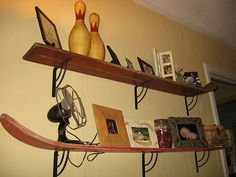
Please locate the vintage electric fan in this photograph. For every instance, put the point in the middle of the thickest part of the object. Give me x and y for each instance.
(69, 105)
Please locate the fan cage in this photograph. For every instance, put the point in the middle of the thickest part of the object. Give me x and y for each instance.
(76, 106)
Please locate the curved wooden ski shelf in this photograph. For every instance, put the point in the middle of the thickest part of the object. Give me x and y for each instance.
(29, 137)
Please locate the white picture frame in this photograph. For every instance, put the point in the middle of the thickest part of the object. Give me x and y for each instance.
(141, 133)
(167, 65)
(157, 66)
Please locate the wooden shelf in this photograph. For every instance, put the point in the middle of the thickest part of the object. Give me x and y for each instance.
(43, 54)
(31, 138)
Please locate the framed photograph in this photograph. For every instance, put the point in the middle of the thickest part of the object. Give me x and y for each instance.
(187, 132)
(110, 126)
(141, 133)
(115, 59)
(157, 66)
(145, 67)
(216, 135)
(129, 64)
(48, 29)
(192, 79)
(167, 65)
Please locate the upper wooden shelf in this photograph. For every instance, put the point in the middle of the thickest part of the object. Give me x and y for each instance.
(43, 54)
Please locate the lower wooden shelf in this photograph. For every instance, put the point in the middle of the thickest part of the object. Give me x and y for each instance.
(29, 137)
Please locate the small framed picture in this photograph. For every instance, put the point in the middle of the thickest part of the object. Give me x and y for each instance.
(157, 66)
(216, 135)
(129, 64)
(167, 65)
(48, 29)
(145, 67)
(110, 126)
(141, 133)
(187, 132)
(115, 59)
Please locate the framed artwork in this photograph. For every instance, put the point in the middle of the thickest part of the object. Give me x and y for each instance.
(192, 79)
(110, 126)
(167, 65)
(187, 132)
(114, 57)
(157, 66)
(216, 135)
(141, 133)
(48, 29)
(145, 67)
(129, 64)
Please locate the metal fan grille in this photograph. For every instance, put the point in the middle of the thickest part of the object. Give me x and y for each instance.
(72, 104)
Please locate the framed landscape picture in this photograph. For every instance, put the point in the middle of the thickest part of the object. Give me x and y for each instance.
(141, 133)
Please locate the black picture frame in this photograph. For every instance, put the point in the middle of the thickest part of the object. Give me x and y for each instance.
(145, 67)
(195, 136)
(129, 63)
(48, 29)
(114, 57)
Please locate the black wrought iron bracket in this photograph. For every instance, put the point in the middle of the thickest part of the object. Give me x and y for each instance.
(62, 164)
(139, 97)
(190, 104)
(59, 167)
(202, 160)
(58, 75)
(146, 167)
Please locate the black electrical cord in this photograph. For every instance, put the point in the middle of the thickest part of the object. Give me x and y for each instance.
(74, 136)
(85, 143)
(92, 142)
(81, 163)
(89, 156)
(94, 154)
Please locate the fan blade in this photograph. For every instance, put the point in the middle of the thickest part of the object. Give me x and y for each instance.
(67, 102)
(70, 103)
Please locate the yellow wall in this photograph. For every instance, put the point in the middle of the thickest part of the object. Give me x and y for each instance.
(131, 30)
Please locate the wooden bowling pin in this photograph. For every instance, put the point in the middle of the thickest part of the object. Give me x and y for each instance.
(79, 38)
(97, 49)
